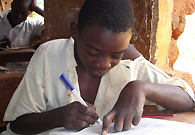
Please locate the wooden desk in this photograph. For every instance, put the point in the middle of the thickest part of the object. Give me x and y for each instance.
(15, 56)
(187, 117)
(8, 85)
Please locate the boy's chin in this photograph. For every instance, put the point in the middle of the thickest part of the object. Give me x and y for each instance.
(97, 74)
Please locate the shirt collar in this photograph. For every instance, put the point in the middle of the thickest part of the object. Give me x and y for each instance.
(115, 76)
(71, 63)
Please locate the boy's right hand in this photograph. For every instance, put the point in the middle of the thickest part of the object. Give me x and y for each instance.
(77, 116)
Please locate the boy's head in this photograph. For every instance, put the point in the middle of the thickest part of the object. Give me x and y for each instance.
(114, 15)
(20, 9)
(102, 34)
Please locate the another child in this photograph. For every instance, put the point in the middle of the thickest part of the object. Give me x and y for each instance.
(15, 25)
(91, 59)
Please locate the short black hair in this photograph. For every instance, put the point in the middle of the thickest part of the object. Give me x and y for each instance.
(114, 15)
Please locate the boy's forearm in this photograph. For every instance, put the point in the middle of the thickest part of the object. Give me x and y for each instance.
(169, 96)
(38, 10)
(36, 122)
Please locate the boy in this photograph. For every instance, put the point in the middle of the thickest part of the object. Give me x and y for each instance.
(91, 59)
(16, 27)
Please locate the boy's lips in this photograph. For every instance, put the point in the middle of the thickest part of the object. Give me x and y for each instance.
(99, 72)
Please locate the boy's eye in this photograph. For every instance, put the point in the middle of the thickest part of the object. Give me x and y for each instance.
(92, 53)
(119, 56)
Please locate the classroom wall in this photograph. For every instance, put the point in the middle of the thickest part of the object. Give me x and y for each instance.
(58, 15)
(5, 4)
(146, 19)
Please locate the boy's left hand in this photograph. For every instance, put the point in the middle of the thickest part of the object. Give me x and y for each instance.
(128, 108)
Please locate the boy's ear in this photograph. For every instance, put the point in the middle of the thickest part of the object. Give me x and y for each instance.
(74, 30)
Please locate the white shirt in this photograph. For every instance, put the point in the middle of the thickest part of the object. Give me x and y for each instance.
(41, 90)
(21, 34)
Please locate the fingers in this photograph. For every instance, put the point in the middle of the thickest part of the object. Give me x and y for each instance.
(92, 107)
(127, 123)
(86, 119)
(78, 116)
(123, 121)
(89, 111)
(76, 125)
(106, 122)
(136, 120)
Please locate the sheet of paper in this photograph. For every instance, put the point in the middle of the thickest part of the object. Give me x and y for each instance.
(147, 126)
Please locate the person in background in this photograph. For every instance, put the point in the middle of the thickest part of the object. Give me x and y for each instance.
(91, 59)
(16, 28)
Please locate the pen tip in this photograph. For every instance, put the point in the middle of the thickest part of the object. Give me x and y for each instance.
(99, 122)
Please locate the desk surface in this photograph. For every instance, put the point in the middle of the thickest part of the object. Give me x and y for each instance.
(187, 117)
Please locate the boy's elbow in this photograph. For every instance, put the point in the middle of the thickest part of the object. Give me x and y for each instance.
(187, 105)
(190, 104)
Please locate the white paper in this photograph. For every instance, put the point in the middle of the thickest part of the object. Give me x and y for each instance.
(147, 126)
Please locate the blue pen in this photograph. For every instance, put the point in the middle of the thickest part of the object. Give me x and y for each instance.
(68, 84)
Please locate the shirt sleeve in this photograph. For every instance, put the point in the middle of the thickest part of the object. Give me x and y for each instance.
(37, 27)
(151, 73)
(148, 72)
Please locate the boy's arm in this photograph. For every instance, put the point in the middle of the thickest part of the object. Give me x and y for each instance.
(36, 9)
(131, 53)
(74, 116)
(129, 106)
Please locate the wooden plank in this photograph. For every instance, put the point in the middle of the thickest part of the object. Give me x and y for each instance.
(3, 4)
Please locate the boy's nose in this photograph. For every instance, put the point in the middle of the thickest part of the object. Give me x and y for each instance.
(19, 16)
(104, 63)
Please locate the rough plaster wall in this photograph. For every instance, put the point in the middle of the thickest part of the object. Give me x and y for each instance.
(181, 9)
(164, 31)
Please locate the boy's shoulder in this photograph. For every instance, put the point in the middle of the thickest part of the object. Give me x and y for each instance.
(4, 12)
(34, 21)
(56, 45)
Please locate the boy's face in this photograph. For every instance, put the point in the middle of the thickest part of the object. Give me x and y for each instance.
(99, 49)
(19, 11)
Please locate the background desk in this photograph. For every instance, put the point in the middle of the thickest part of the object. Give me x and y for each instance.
(8, 84)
